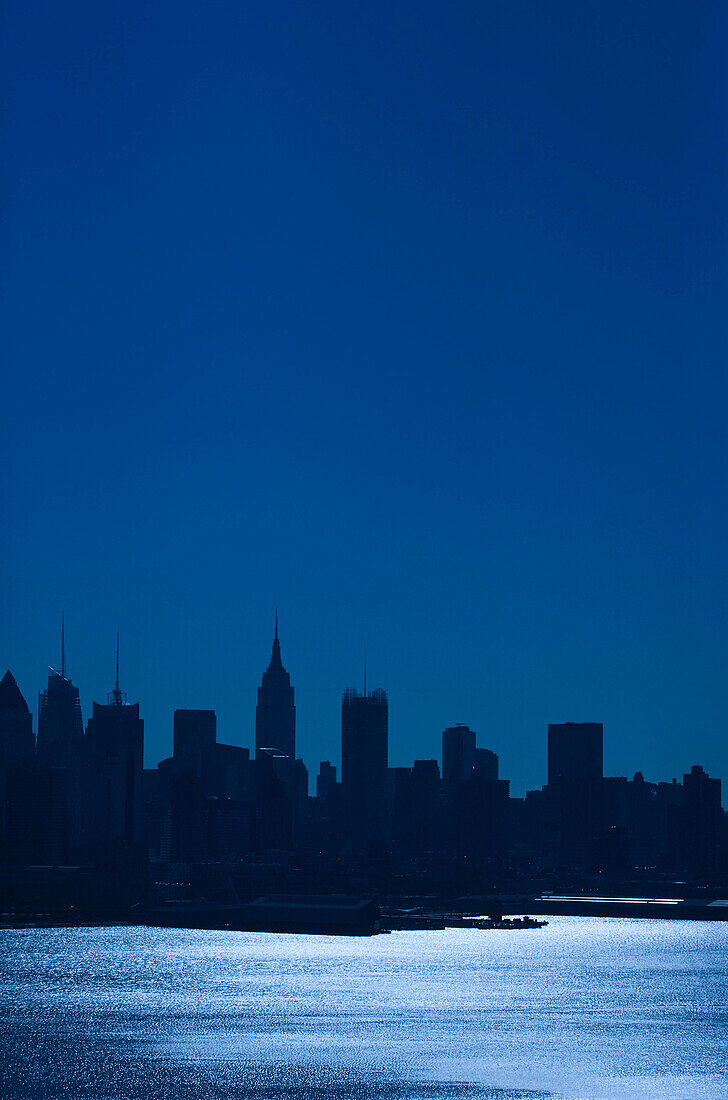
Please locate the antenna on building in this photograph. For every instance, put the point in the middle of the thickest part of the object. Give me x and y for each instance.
(117, 697)
(365, 669)
(63, 644)
(276, 633)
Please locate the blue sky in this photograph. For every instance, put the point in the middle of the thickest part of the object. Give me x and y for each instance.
(409, 318)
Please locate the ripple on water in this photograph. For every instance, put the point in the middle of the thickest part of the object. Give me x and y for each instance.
(587, 1008)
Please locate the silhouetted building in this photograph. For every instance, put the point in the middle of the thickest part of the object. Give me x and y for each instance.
(364, 753)
(60, 726)
(186, 784)
(154, 808)
(16, 744)
(668, 823)
(649, 814)
(325, 810)
(301, 815)
(16, 723)
(485, 765)
(427, 805)
(574, 797)
(195, 737)
(60, 745)
(491, 806)
(275, 714)
(188, 830)
(474, 802)
(575, 751)
(205, 794)
(281, 780)
(234, 776)
(36, 814)
(399, 807)
(115, 759)
(233, 801)
(416, 808)
(325, 780)
(275, 798)
(476, 811)
(701, 823)
(615, 850)
(458, 752)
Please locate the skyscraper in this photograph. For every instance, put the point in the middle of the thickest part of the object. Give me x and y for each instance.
(16, 723)
(275, 714)
(115, 756)
(364, 758)
(458, 752)
(701, 822)
(60, 726)
(60, 747)
(575, 751)
(475, 801)
(574, 795)
(187, 784)
(325, 780)
(16, 746)
(195, 742)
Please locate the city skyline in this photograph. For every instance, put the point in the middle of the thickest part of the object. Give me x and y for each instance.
(84, 797)
(253, 740)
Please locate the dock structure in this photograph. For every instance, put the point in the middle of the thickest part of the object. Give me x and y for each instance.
(664, 908)
(313, 914)
(320, 914)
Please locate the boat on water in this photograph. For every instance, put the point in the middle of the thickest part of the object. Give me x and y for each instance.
(404, 921)
(505, 922)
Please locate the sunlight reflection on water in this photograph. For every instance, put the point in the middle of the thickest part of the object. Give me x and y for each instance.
(585, 1008)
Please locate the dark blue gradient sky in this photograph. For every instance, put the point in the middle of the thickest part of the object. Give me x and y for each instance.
(408, 317)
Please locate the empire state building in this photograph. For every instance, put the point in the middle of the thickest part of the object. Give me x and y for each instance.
(275, 714)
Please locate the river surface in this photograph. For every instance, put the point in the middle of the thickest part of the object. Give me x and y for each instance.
(585, 1008)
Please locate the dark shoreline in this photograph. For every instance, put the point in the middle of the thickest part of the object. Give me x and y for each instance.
(213, 918)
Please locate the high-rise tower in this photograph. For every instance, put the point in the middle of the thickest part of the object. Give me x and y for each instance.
(60, 748)
(275, 714)
(115, 753)
(16, 723)
(364, 757)
(575, 791)
(60, 726)
(458, 752)
(16, 751)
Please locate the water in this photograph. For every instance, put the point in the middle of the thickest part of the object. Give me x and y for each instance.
(585, 1008)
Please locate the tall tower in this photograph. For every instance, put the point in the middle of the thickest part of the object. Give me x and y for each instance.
(60, 726)
(575, 791)
(458, 752)
(16, 723)
(364, 759)
(275, 714)
(16, 749)
(701, 823)
(60, 748)
(115, 754)
(575, 752)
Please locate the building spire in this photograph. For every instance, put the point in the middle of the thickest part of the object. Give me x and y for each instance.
(117, 697)
(275, 657)
(365, 669)
(63, 644)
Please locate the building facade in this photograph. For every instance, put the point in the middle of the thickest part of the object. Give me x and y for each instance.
(364, 759)
(275, 714)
